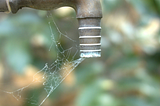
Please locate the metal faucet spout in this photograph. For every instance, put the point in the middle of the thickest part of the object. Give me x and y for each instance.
(89, 14)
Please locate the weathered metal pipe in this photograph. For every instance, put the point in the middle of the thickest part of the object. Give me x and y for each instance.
(89, 14)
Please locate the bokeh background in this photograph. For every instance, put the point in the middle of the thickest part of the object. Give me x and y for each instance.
(127, 74)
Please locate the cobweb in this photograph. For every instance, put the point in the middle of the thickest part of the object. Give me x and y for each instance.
(52, 74)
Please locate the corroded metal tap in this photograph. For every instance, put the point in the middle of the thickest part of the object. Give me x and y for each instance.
(89, 14)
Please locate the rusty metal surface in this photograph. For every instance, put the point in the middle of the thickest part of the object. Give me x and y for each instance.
(90, 32)
(40, 4)
(88, 8)
(89, 21)
(84, 8)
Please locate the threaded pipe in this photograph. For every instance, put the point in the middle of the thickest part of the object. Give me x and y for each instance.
(89, 37)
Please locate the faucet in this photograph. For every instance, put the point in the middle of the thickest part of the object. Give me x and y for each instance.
(89, 14)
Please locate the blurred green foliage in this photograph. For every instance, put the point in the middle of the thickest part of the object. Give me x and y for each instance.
(127, 74)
